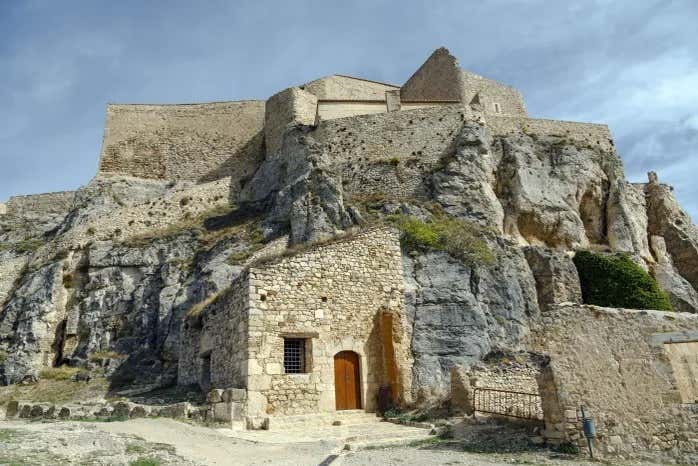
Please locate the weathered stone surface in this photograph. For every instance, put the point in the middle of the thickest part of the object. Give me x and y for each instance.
(304, 193)
(668, 220)
(459, 314)
(683, 296)
(465, 187)
(556, 276)
(461, 396)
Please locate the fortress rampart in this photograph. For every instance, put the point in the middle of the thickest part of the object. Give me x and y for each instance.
(201, 142)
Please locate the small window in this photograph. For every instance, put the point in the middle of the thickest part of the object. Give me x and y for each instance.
(497, 108)
(294, 356)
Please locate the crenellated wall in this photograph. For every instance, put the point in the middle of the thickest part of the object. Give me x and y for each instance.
(199, 142)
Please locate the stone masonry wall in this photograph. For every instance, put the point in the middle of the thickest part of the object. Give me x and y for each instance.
(389, 154)
(290, 106)
(334, 296)
(339, 87)
(614, 362)
(217, 338)
(592, 134)
(193, 142)
(438, 78)
(510, 101)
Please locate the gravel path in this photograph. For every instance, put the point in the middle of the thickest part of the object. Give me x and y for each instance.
(170, 442)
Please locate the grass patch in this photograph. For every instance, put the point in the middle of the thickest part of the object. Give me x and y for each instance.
(461, 239)
(9, 435)
(146, 462)
(58, 373)
(99, 355)
(198, 308)
(56, 391)
(23, 247)
(616, 281)
(133, 448)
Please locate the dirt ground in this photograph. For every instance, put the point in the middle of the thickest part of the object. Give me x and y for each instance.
(152, 442)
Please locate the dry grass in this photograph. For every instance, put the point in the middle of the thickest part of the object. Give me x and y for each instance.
(99, 355)
(58, 373)
(56, 391)
(197, 308)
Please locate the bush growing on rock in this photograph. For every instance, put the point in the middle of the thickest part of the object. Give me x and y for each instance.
(461, 239)
(617, 281)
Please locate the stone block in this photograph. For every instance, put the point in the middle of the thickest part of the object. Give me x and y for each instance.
(121, 409)
(12, 409)
(138, 411)
(36, 412)
(64, 413)
(223, 412)
(234, 394)
(215, 396)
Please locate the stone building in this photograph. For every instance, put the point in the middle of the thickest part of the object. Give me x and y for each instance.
(317, 331)
(327, 311)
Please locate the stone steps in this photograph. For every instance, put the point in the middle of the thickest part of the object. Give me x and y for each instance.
(338, 418)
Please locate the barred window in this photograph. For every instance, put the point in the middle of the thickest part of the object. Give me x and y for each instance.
(294, 355)
(497, 108)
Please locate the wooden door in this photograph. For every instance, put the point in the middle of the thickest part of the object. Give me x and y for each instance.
(347, 386)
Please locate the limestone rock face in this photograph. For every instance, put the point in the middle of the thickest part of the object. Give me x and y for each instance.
(28, 322)
(668, 220)
(461, 313)
(556, 276)
(683, 296)
(302, 190)
(465, 187)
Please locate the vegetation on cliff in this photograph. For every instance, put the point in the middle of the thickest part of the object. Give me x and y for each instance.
(461, 239)
(616, 281)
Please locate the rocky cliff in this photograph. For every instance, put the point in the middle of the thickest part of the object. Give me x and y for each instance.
(105, 285)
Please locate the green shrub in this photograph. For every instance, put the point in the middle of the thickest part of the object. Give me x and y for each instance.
(462, 239)
(28, 245)
(617, 281)
(146, 462)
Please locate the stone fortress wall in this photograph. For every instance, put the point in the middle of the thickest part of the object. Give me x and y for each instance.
(199, 142)
(388, 154)
(440, 78)
(622, 366)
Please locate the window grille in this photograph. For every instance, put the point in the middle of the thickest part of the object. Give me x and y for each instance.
(294, 355)
(497, 108)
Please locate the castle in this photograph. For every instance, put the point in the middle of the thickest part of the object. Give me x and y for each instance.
(330, 310)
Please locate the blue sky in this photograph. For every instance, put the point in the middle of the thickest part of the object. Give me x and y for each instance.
(630, 64)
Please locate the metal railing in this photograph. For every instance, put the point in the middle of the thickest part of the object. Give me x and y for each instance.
(510, 403)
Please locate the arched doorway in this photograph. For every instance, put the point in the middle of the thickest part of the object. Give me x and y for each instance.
(347, 381)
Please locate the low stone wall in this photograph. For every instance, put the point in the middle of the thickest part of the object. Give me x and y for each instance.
(213, 352)
(615, 363)
(103, 411)
(348, 88)
(591, 134)
(192, 142)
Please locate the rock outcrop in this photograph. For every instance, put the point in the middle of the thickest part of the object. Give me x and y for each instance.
(108, 283)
